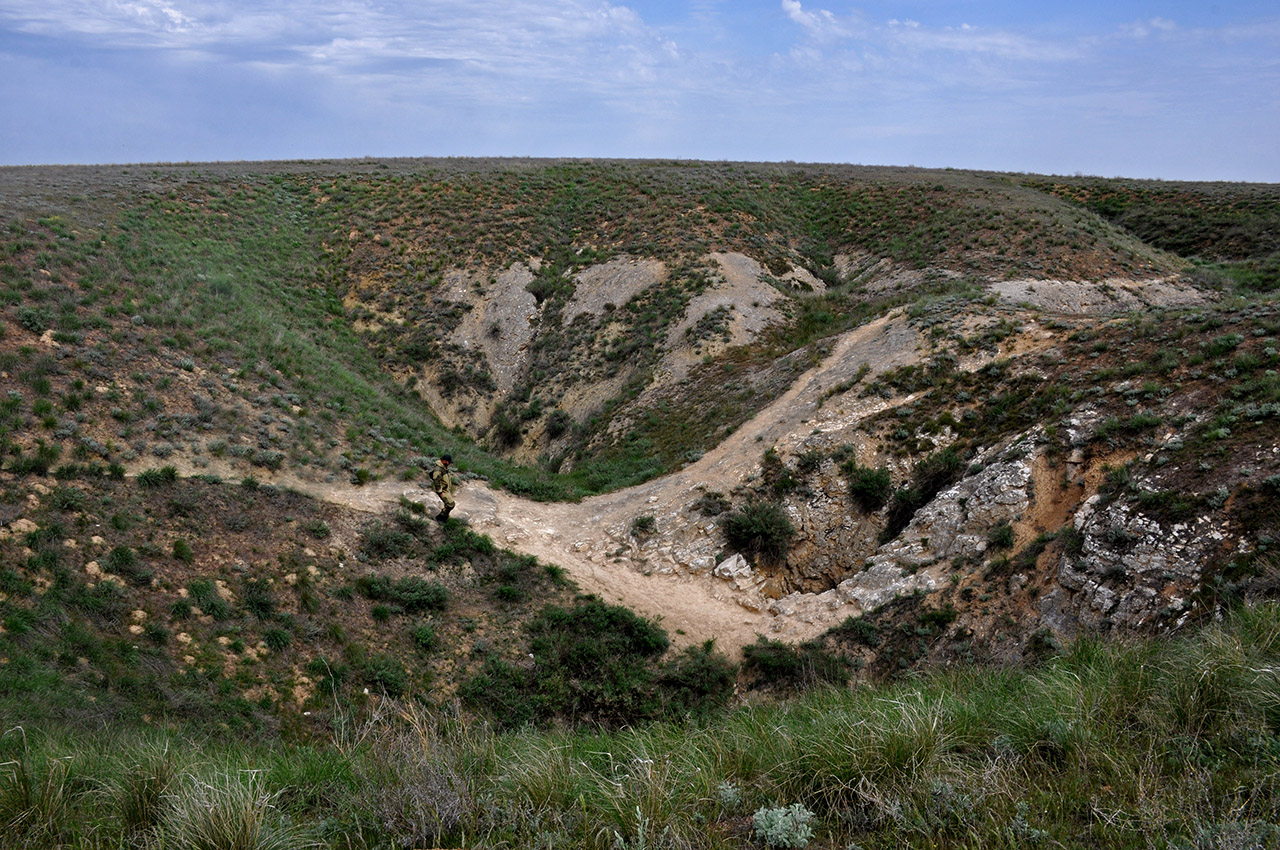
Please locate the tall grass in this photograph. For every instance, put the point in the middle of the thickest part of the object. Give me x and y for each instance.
(1138, 744)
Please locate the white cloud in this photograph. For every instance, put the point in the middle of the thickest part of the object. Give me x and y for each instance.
(911, 35)
(799, 79)
(1144, 29)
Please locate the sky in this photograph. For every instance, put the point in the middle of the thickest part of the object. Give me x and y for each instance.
(1135, 88)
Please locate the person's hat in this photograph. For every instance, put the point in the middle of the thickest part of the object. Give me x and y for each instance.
(447, 458)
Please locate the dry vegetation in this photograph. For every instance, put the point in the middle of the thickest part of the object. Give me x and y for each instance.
(249, 322)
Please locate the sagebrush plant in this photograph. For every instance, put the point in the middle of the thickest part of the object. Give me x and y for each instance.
(786, 826)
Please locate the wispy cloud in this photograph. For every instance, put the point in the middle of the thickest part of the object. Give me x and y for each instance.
(821, 24)
(783, 79)
(907, 34)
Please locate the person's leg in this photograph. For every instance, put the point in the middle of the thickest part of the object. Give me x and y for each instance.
(449, 505)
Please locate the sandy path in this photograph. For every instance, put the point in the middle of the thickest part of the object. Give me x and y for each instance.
(668, 576)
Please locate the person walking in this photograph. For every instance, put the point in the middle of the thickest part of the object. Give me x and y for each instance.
(442, 483)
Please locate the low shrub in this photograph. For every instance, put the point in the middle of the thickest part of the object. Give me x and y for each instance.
(123, 561)
(869, 487)
(593, 662)
(697, 682)
(424, 637)
(759, 529)
(772, 663)
(157, 477)
(643, 525)
(783, 827)
(412, 594)
(1000, 536)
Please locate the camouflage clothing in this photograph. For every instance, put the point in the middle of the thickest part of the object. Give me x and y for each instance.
(442, 483)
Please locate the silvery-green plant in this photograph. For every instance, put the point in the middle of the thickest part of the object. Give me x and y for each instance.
(784, 827)
(730, 795)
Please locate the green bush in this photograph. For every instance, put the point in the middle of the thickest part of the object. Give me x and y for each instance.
(385, 674)
(412, 594)
(593, 662)
(425, 638)
(36, 464)
(255, 595)
(860, 630)
(1000, 536)
(157, 477)
(67, 498)
(930, 476)
(759, 529)
(380, 543)
(643, 525)
(204, 593)
(123, 561)
(869, 487)
(774, 663)
(697, 682)
(182, 551)
(277, 638)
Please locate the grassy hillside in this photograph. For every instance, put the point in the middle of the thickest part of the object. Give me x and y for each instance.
(1170, 744)
(236, 282)
(179, 343)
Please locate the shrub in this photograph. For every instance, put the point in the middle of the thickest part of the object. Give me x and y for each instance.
(204, 593)
(156, 477)
(277, 638)
(592, 663)
(1000, 536)
(386, 674)
(317, 528)
(773, 662)
(381, 543)
(931, 475)
(859, 630)
(759, 529)
(123, 561)
(511, 593)
(425, 637)
(870, 488)
(558, 423)
(938, 618)
(712, 504)
(67, 498)
(182, 551)
(643, 525)
(783, 827)
(696, 682)
(414, 595)
(256, 596)
(37, 464)
(34, 319)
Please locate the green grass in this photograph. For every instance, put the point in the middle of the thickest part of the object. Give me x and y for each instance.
(241, 280)
(1114, 745)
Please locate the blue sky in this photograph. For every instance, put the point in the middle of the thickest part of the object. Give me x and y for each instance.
(1175, 90)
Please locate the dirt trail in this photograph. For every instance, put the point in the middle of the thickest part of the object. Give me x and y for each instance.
(669, 575)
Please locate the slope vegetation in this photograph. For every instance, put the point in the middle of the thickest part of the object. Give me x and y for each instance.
(889, 416)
